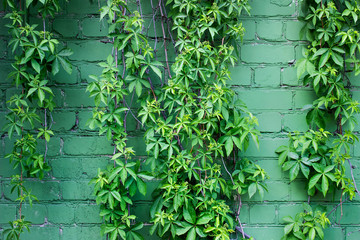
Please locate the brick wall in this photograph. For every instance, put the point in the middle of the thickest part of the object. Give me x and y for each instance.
(265, 79)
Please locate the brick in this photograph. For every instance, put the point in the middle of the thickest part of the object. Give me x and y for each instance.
(334, 233)
(268, 233)
(250, 29)
(151, 186)
(299, 51)
(293, 29)
(42, 233)
(272, 168)
(77, 168)
(356, 95)
(54, 146)
(272, 8)
(303, 98)
(277, 191)
(298, 190)
(99, 51)
(262, 214)
(7, 169)
(3, 29)
(45, 191)
(141, 211)
(240, 75)
(79, 7)
(270, 30)
(264, 53)
(5, 69)
(66, 27)
(4, 49)
(267, 147)
(269, 121)
(138, 145)
(84, 116)
(350, 213)
(87, 213)
(81, 233)
(289, 210)
(266, 99)
(93, 27)
(149, 26)
(89, 69)
(61, 213)
(354, 80)
(295, 122)
(77, 98)
(77, 190)
(267, 77)
(63, 121)
(87, 146)
(63, 77)
(35, 214)
(352, 233)
(289, 77)
(8, 213)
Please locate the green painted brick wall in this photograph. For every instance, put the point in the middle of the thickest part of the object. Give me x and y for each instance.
(264, 78)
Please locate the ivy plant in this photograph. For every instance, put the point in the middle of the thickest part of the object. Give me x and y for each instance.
(308, 224)
(123, 74)
(37, 56)
(329, 60)
(197, 128)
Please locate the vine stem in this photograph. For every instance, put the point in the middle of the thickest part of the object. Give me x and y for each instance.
(240, 227)
(352, 177)
(164, 37)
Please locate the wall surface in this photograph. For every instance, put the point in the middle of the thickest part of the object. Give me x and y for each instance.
(265, 78)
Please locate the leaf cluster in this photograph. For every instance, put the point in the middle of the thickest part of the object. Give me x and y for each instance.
(308, 224)
(36, 54)
(319, 159)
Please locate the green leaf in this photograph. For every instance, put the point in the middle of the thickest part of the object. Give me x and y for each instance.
(294, 171)
(157, 71)
(314, 180)
(141, 186)
(288, 228)
(323, 59)
(204, 219)
(28, 2)
(187, 215)
(324, 185)
(35, 65)
(191, 235)
(252, 189)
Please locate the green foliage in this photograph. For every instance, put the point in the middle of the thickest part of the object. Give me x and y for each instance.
(196, 128)
(115, 186)
(320, 160)
(36, 56)
(308, 224)
(332, 53)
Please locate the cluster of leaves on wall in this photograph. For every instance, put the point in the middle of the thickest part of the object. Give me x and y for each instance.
(124, 73)
(36, 57)
(196, 128)
(319, 155)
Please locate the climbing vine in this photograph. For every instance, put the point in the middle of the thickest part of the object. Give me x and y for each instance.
(123, 74)
(37, 57)
(197, 128)
(319, 155)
